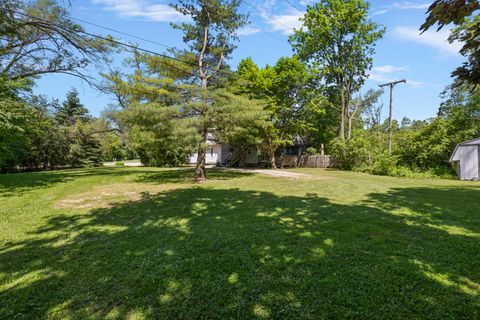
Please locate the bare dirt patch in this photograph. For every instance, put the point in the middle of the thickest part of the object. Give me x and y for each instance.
(108, 195)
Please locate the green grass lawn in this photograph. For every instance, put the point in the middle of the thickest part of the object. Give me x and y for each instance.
(145, 243)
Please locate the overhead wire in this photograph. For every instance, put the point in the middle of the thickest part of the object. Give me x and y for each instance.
(130, 46)
(264, 13)
(293, 6)
(141, 49)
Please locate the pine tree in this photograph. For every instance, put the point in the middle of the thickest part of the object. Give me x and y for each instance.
(71, 110)
(210, 39)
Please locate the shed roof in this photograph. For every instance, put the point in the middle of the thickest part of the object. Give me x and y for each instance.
(472, 142)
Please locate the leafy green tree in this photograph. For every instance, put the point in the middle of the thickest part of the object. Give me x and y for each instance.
(13, 141)
(285, 89)
(84, 147)
(113, 148)
(36, 38)
(338, 40)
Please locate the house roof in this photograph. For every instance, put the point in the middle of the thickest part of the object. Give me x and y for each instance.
(472, 142)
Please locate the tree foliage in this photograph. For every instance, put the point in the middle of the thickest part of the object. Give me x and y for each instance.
(33, 135)
(419, 146)
(338, 40)
(292, 99)
(39, 38)
(166, 113)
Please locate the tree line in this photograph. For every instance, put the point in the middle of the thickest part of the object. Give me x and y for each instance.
(167, 105)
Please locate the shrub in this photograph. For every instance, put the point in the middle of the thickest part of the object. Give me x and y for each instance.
(385, 165)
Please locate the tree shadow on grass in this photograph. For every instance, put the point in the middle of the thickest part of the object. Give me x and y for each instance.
(17, 184)
(187, 175)
(456, 210)
(226, 253)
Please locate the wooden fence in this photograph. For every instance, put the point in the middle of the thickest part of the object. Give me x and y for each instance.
(317, 161)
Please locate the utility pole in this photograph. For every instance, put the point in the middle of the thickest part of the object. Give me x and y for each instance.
(391, 85)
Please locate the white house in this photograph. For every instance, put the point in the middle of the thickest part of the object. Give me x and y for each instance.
(466, 159)
(228, 155)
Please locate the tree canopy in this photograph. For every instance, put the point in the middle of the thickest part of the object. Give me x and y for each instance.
(338, 40)
(38, 38)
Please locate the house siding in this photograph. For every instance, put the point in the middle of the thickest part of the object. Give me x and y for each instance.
(213, 154)
(468, 156)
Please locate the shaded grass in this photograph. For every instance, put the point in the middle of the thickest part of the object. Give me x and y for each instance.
(240, 246)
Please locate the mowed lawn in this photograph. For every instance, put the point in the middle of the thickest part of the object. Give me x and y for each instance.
(146, 243)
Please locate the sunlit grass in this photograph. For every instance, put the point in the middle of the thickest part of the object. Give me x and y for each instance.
(146, 243)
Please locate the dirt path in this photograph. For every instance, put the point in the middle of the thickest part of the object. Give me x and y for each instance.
(126, 164)
(278, 173)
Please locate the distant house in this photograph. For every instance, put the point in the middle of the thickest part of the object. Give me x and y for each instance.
(229, 155)
(466, 159)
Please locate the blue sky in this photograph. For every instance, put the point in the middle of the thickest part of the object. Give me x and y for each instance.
(426, 60)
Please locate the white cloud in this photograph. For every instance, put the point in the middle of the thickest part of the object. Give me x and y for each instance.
(406, 5)
(388, 73)
(142, 9)
(267, 5)
(388, 69)
(410, 5)
(417, 84)
(248, 30)
(285, 23)
(437, 40)
(379, 77)
(379, 12)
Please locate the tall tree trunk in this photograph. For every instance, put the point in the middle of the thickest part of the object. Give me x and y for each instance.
(271, 154)
(342, 115)
(200, 165)
(349, 133)
(351, 116)
(272, 159)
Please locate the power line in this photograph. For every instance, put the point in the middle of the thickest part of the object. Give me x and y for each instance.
(151, 41)
(145, 39)
(126, 45)
(122, 32)
(266, 15)
(138, 48)
(293, 6)
(148, 40)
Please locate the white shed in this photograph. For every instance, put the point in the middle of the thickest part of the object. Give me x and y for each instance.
(466, 159)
